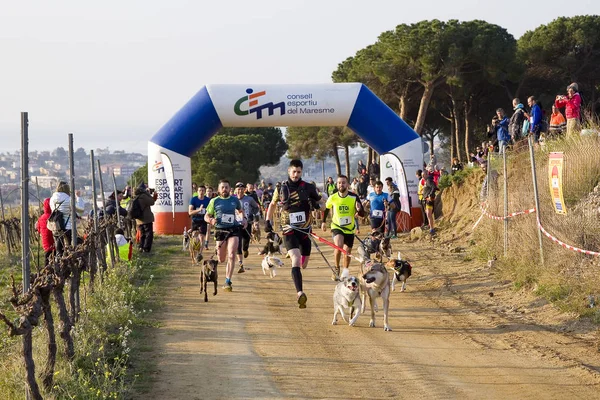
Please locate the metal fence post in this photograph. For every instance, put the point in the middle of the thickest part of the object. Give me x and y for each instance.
(536, 197)
(505, 204)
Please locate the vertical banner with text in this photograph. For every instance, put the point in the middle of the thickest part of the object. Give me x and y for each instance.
(556, 164)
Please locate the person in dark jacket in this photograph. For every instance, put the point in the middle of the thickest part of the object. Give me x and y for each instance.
(429, 192)
(45, 233)
(515, 125)
(145, 225)
(111, 205)
(361, 188)
(374, 169)
(361, 168)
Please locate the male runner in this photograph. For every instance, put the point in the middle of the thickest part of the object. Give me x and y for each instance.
(196, 210)
(221, 213)
(252, 211)
(378, 199)
(344, 205)
(296, 198)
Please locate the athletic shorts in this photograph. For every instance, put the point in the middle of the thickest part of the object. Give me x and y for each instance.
(298, 240)
(348, 237)
(429, 204)
(224, 234)
(376, 223)
(200, 226)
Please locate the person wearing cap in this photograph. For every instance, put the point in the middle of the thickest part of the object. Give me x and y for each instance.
(515, 124)
(252, 212)
(113, 204)
(145, 224)
(572, 106)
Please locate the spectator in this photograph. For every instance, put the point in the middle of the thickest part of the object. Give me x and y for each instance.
(557, 122)
(480, 152)
(502, 130)
(491, 132)
(374, 169)
(354, 185)
(515, 125)
(361, 188)
(124, 246)
(456, 166)
(420, 186)
(361, 168)
(436, 174)
(371, 187)
(535, 118)
(145, 224)
(45, 233)
(194, 187)
(572, 105)
(331, 188)
(393, 206)
(429, 192)
(61, 200)
(112, 204)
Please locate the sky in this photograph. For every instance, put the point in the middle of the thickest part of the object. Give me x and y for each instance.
(113, 72)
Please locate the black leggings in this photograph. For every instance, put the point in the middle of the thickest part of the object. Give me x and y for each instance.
(245, 235)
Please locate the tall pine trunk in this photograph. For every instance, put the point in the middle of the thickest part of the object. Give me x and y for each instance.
(428, 87)
(347, 153)
(336, 156)
(456, 114)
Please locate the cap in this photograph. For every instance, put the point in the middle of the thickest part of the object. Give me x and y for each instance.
(239, 185)
(573, 86)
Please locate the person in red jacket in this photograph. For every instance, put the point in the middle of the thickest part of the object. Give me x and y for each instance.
(45, 233)
(572, 105)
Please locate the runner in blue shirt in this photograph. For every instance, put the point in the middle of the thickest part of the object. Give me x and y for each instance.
(377, 199)
(221, 213)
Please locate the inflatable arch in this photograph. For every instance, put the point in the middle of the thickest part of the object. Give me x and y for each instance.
(336, 104)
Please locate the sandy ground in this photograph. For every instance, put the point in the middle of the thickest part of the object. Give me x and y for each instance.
(451, 339)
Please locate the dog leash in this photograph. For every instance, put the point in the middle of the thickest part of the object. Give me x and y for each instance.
(327, 242)
(316, 246)
(365, 247)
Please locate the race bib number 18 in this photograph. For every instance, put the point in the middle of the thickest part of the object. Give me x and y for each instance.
(227, 219)
(297, 218)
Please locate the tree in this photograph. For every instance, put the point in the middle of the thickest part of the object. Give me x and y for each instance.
(565, 50)
(237, 154)
(59, 153)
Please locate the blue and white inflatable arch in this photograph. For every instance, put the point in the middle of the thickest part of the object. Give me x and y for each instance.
(216, 106)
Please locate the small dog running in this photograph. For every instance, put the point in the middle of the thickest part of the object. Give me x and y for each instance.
(346, 300)
(269, 263)
(208, 273)
(402, 271)
(272, 245)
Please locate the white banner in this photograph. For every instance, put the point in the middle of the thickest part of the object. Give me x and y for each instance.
(174, 186)
(284, 105)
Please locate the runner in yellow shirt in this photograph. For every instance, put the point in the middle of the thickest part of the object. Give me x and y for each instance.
(345, 206)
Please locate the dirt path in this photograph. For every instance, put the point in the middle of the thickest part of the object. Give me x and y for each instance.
(447, 342)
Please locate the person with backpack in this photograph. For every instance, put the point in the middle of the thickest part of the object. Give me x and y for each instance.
(140, 210)
(515, 125)
(60, 204)
(45, 234)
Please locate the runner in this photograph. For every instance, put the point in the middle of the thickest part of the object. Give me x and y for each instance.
(252, 211)
(221, 213)
(196, 210)
(296, 198)
(344, 205)
(377, 200)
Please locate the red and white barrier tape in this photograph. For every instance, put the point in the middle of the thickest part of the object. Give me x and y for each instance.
(563, 244)
(498, 218)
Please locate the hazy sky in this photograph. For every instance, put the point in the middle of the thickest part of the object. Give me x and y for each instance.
(113, 72)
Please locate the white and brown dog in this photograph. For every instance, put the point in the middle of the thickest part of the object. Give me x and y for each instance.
(269, 263)
(375, 283)
(346, 300)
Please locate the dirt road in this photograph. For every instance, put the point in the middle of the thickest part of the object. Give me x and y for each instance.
(446, 343)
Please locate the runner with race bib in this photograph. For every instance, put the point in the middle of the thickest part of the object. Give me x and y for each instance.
(344, 205)
(377, 199)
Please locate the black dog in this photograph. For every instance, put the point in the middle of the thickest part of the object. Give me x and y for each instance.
(208, 273)
(272, 245)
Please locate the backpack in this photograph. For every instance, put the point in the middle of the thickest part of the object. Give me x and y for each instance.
(56, 223)
(134, 209)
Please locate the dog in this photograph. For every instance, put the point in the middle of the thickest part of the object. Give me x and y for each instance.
(272, 245)
(385, 248)
(376, 283)
(255, 232)
(195, 247)
(269, 263)
(346, 299)
(208, 273)
(375, 245)
(402, 271)
(186, 239)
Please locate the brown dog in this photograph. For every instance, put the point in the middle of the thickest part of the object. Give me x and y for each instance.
(208, 273)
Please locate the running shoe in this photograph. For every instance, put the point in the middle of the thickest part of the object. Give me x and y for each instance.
(241, 270)
(228, 287)
(245, 253)
(302, 300)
